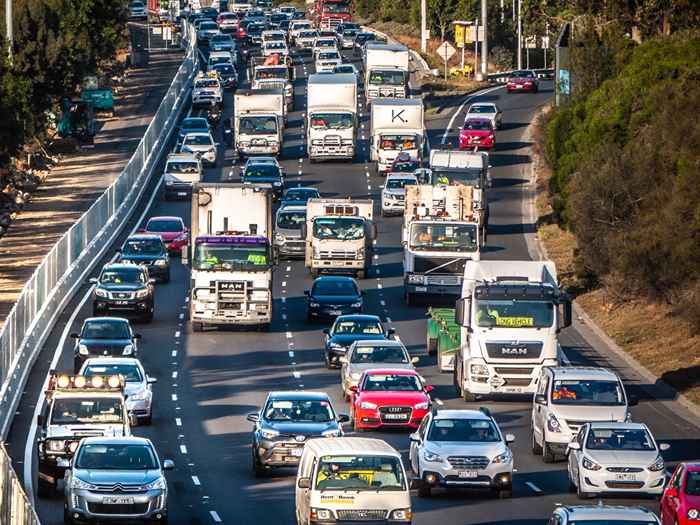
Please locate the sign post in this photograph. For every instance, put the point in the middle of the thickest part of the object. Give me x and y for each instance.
(445, 51)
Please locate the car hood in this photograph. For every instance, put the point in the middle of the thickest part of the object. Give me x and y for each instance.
(122, 287)
(125, 477)
(300, 428)
(394, 398)
(348, 339)
(361, 367)
(627, 458)
(141, 258)
(169, 236)
(590, 413)
(335, 299)
(459, 448)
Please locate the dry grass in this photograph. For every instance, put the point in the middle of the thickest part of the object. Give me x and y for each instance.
(649, 331)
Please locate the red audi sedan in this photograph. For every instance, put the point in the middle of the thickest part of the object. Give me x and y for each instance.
(680, 502)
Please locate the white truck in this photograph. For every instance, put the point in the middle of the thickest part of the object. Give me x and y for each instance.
(396, 126)
(510, 313)
(331, 116)
(441, 232)
(386, 71)
(339, 234)
(259, 118)
(274, 77)
(232, 257)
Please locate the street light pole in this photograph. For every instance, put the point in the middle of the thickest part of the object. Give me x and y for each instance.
(520, 37)
(8, 26)
(423, 26)
(485, 45)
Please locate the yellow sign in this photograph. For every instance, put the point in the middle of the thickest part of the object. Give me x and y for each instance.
(459, 35)
(515, 322)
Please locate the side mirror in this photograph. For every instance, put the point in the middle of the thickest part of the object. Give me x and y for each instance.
(307, 292)
(137, 337)
(510, 438)
(151, 281)
(568, 313)
(343, 418)
(390, 331)
(632, 401)
(184, 255)
(574, 445)
(429, 388)
(150, 380)
(326, 331)
(664, 446)
(74, 336)
(540, 399)
(93, 280)
(463, 311)
(414, 437)
(168, 464)
(253, 418)
(304, 483)
(672, 492)
(353, 388)
(342, 359)
(415, 360)
(40, 420)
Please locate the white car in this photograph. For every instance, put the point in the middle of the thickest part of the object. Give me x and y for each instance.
(139, 396)
(219, 57)
(273, 35)
(137, 11)
(620, 458)
(306, 39)
(296, 27)
(487, 110)
(326, 61)
(394, 192)
(207, 89)
(595, 515)
(324, 43)
(201, 145)
(462, 448)
(275, 47)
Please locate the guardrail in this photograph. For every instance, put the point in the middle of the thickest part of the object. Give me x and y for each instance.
(66, 266)
(15, 508)
(502, 76)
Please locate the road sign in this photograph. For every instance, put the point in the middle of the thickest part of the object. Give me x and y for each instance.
(459, 35)
(446, 50)
(469, 34)
(531, 42)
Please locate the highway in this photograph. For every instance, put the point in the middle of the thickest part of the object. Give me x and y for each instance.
(208, 382)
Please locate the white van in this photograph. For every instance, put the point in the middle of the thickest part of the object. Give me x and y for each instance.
(351, 479)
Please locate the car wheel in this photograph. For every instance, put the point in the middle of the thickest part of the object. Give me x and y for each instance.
(45, 489)
(67, 518)
(548, 455)
(582, 494)
(467, 396)
(328, 360)
(147, 420)
(258, 469)
(314, 273)
(535, 447)
(76, 365)
(505, 493)
(572, 485)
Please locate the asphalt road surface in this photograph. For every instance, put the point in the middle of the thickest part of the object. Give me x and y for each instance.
(208, 382)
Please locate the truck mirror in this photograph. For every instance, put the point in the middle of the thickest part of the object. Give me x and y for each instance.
(303, 231)
(567, 313)
(463, 311)
(40, 420)
(184, 255)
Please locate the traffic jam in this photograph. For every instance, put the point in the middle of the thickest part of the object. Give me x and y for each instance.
(496, 334)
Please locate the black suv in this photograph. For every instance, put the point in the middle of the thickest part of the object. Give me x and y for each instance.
(104, 336)
(124, 288)
(148, 250)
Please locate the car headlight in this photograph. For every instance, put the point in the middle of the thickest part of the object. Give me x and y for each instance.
(589, 464)
(553, 423)
(321, 514)
(360, 254)
(433, 457)
(693, 514)
(316, 142)
(506, 457)
(358, 304)
(158, 484)
(337, 346)
(99, 292)
(142, 294)
(181, 237)
(83, 350)
(331, 433)
(55, 445)
(316, 305)
(269, 434)
(368, 406)
(401, 514)
(356, 376)
(138, 396)
(128, 349)
(78, 484)
(422, 406)
(657, 465)
(479, 370)
(161, 262)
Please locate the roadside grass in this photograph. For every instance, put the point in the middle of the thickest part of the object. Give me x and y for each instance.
(647, 330)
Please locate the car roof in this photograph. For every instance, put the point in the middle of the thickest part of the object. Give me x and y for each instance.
(303, 189)
(482, 104)
(143, 237)
(607, 512)
(379, 342)
(97, 361)
(297, 394)
(122, 266)
(116, 440)
(392, 371)
(583, 373)
(292, 207)
(358, 317)
(198, 134)
(350, 446)
(262, 160)
(165, 218)
(182, 156)
(335, 278)
(461, 414)
(106, 318)
(215, 54)
(614, 425)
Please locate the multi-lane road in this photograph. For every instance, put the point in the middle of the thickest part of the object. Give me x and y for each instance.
(208, 382)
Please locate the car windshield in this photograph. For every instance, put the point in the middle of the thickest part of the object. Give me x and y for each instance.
(375, 473)
(164, 226)
(587, 392)
(341, 228)
(471, 430)
(256, 171)
(514, 313)
(358, 327)
(325, 43)
(443, 237)
(221, 39)
(206, 83)
(291, 220)
(482, 109)
(692, 483)
(182, 166)
(198, 140)
(208, 26)
(228, 257)
(391, 383)
(399, 184)
(271, 72)
(392, 78)
(122, 275)
(378, 354)
(194, 124)
(131, 373)
(225, 69)
(477, 125)
(350, 32)
(98, 410)
(116, 456)
(258, 125)
(104, 329)
(619, 439)
(300, 195)
(143, 247)
(331, 120)
(408, 166)
(219, 60)
(334, 287)
(329, 55)
(299, 410)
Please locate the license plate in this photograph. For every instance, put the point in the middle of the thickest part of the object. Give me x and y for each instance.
(395, 416)
(421, 288)
(182, 194)
(513, 389)
(117, 500)
(626, 477)
(119, 303)
(467, 474)
(518, 86)
(296, 452)
(334, 312)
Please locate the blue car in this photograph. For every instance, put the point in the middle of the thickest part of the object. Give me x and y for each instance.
(346, 330)
(193, 125)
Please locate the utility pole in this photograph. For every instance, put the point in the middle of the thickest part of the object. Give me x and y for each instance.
(520, 37)
(485, 45)
(423, 26)
(503, 14)
(8, 26)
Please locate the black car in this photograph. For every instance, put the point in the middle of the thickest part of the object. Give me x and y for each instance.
(104, 336)
(264, 174)
(148, 250)
(299, 196)
(124, 288)
(227, 74)
(361, 39)
(350, 328)
(286, 422)
(333, 295)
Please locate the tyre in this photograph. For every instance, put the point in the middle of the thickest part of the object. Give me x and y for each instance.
(572, 486)
(548, 455)
(76, 365)
(328, 360)
(535, 447)
(258, 469)
(431, 345)
(265, 327)
(505, 493)
(45, 489)
(197, 327)
(67, 518)
(424, 490)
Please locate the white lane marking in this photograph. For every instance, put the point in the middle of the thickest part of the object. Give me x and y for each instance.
(284, 317)
(173, 397)
(181, 316)
(196, 481)
(369, 187)
(183, 449)
(291, 354)
(284, 299)
(284, 284)
(177, 334)
(461, 107)
(175, 374)
(174, 353)
(383, 303)
(296, 375)
(374, 242)
(178, 422)
(215, 516)
(533, 487)
(289, 269)
(388, 320)
(379, 286)
(376, 256)
(289, 335)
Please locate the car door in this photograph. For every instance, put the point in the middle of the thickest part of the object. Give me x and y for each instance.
(416, 446)
(671, 502)
(539, 411)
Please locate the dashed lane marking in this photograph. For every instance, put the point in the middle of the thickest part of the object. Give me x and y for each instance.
(533, 487)
(196, 481)
(177, 334)
(183, 449)
(291, 354)
(178, 422)
(173, 397)
(289, 335)
(175, 374)
(297, 375)
(174, 353)
(215, 516)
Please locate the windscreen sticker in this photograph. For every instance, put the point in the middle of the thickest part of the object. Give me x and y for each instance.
(256, 258)
(282, 404)
(515, 322)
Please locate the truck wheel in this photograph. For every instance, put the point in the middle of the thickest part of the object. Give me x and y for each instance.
(67, 518)
(197, 327)
(314, 273)
(467, 396)
(258, 469)
(535, 447)
(45, 489)
(431, 345)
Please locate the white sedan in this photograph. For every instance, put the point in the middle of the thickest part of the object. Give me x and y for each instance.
(621, 458)
(487, 110)
(201, 145)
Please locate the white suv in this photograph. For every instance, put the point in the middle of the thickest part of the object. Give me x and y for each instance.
(462, 448)
(568, 397)
(595, 515)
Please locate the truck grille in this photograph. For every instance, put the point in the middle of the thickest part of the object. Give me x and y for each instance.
(361, 515)
(502, 370)
(271, 85)
(454, 266)
(121, 295)
(102, 508)
(395, 414)
(337, 255)
(624, 484)
(514, 350)
(518, 381)
(469, 462)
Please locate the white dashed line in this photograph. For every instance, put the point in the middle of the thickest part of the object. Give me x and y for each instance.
(379, 286)
(284, 299)
(174, 353)
(183, 449)
(187, 299)
(284, 284)
(291, 354)
(296, 375)
(182, 316)
(289, 269)
(177, 335)
(196, 481)
(369, 187)
(173, 397)
(383, 303)
(178, 422)
(533, 487)
(215, 516)
(175, 374)
(289, 335)
(284, 317)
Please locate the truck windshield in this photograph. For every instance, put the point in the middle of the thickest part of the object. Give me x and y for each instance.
(360, 473)
(331, 121)
(587, 392)
(340, 228)
(291, 220)
(397, 142)
(230, 257)
(258, 126)
(335, 8)
(271, 72)
(465, 177)
(387, 78)
(443, 237)
(514, 313)
(69, 411)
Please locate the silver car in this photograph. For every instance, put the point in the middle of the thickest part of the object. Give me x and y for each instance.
(394, 193)
(116, 479)
(201, 145)
(368, 354)
(288, 229)
(487, 110)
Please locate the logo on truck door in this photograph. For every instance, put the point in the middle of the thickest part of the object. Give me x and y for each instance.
(395, 116)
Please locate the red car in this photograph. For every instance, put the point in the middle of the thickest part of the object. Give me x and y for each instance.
(389, 398)
(403, 163)
(680, 502)
(172, 230)
(523, 81)
(477, 133)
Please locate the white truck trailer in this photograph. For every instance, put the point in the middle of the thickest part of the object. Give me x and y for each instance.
(331, 116)
(396, 126)
(386, 71)
(259, 117)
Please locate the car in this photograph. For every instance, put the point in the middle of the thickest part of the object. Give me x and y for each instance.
(521, 81)
(305, 40)
(289, 222)
(568, 396)
(462, 449)
(275, 47)
(394, 192)
(389, 397)
(486, 110)
(227, 75)
(107, 468)
(201, 145)
(360, 40)
(331, 296)
(680, 503)
(327, 60)
(104, 336)
(219, 57)
(346, 37)
(296, 27)
(367, 354)
(285, 422)
(228, 23)
(193, 125)
(205, 30)
(277, 18)
(137, 11)
(477, 133)
(618, 458)
(147, 250)
(324, 43)
(273, 35)
(299, 196)
(172, 230)
(207, 89)
(210, 13)
(137, 387)
(264, 173)
(181, 171)
(403, 163)
(124, 288)
(253, 33)
(346, 330)
(602, 514)
(223, 43)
